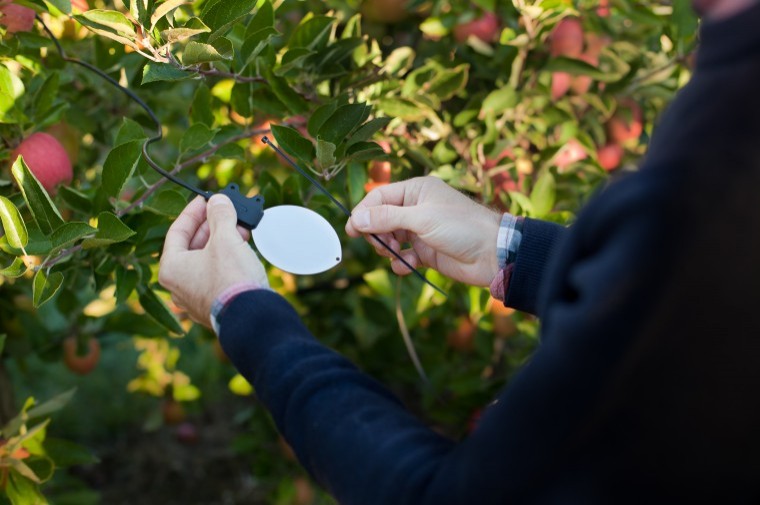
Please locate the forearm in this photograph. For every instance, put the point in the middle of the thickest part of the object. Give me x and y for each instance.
(350, 432)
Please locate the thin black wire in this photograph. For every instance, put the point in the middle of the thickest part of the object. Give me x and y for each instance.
(140, 102)
(347, 212)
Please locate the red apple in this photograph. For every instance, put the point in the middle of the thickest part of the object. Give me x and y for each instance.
(385, 11)
(626, 124)
(603, 10)
(81, 364)
(462, 338)
(485, 28)
(561, 82)
(567, 38)
(610, 156)
(80, 5)
(47, 159)
(380, 171)
(570, 153)
(16, 18)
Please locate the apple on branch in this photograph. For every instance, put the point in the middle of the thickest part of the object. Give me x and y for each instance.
(16, 18)
(47, 159)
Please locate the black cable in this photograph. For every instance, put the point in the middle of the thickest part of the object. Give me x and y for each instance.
(140, 102)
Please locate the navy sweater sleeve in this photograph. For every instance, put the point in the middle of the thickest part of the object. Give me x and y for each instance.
(539, 241)
(360, 443)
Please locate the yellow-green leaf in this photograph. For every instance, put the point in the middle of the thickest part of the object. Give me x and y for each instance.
(13, 224)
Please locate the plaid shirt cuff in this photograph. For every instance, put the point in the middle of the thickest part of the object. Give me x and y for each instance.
(226, 297)
(507, 244)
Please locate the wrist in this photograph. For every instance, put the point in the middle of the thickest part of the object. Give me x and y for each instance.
(226, 296)
(507, 244)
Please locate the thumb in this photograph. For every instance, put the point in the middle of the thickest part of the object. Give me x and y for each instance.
(222, 217)
(387, 219)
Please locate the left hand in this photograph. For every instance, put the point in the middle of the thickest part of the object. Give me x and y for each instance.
(205, 252)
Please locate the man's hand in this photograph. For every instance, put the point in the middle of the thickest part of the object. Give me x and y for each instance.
(205, 252)
(446, 230)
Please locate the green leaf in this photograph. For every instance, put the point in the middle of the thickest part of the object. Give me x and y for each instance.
(22, 491)
(156, 308)
(13, 224)
(264, 18)
(65, 453)
(342, 122)
(129, 130)
(325, 154)
(365, 151)
(46, 95)
(293, 143)
(312, 33)
(15, 269)
(196, 137)
(113, 20)
(368, 129)
(193, 27)
(167, 203)
(579, 67)
(256, 42)
(70, 233)
(62, 5)
(126, 283)
(448, 82)
(11, 88)
(163, 9)
(239, 386)
(201, 111)
(76, 200)
(221, 14)
(119, 166)
(319, 117)
(196, 53)
(287, 95)
(357, 177)
(110, 231)
(401, 108)
(153, 72)
(2, 342)
(52, 405)
(400, 61)
(45, 286)
(543, 195)
(499, 101)
(110, 24)
(45, 213)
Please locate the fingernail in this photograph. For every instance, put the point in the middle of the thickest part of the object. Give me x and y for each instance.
(218, 200)
(361, 219)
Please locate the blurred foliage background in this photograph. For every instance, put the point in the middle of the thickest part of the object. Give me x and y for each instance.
(528, 106)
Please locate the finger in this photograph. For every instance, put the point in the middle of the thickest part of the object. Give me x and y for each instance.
(389, 219)
(201, 237)
(245, 233)
(382, 250)
(397, 193)
(410, 257)
(222, 219)
(184, 228)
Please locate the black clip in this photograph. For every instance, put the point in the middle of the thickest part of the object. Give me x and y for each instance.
(249, 210)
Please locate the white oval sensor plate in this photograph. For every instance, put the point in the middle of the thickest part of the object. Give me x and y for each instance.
(297, 240)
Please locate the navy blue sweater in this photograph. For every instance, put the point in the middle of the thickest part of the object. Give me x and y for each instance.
(646, 385)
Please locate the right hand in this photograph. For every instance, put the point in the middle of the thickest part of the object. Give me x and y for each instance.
(447, 231)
